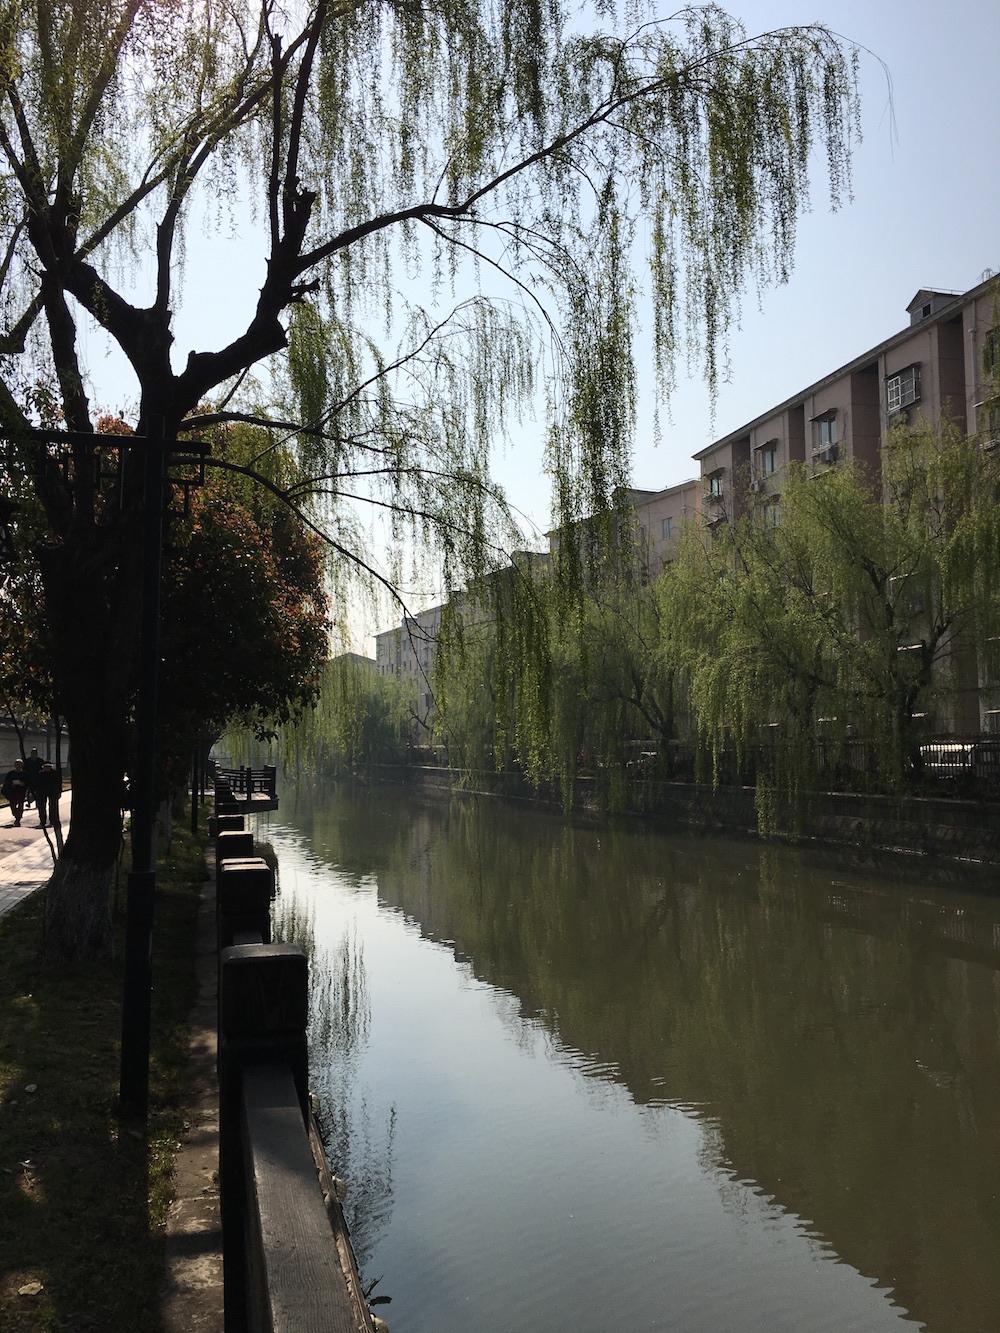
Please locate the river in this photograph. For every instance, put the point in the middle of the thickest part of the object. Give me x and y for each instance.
(588, 1078)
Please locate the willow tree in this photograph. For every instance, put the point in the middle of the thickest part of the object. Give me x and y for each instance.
(518, 154)
(862, 612)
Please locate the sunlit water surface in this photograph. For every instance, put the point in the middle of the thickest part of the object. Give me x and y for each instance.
(588, 1079)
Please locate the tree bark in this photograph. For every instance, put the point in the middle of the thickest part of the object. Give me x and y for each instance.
(93, 603)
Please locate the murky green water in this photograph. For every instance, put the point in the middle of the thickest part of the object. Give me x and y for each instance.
(587, 1079)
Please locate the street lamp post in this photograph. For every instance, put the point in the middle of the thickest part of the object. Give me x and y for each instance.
(133, 1084)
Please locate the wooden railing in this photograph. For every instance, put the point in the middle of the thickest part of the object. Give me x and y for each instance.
(287, 1259)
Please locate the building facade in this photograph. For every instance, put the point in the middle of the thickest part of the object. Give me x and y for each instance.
(930, 371)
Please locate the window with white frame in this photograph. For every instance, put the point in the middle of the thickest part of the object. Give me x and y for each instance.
(668, 529)
(826, 430)
(715, 485)
(902, 389)
(769, 458)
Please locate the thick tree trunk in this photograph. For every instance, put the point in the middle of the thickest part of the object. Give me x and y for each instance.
(92, 608)
(77, 900)
(78, 911)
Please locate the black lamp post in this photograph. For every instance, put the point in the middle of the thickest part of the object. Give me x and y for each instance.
(8, 555)
(133, 1086)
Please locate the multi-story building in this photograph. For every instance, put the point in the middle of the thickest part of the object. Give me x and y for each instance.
(407, 652)
(660, 516)
(932, 369)
(657, 520)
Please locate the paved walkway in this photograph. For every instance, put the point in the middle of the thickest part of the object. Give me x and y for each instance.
(193, 1287)
(27, 854)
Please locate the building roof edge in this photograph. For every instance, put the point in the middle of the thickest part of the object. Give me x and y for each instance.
(939, 317)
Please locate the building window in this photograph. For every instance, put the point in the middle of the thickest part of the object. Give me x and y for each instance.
(772, 514)
(989, 423)
(902, 389)
(668, 529)
(826, 430)
(715, 485)
(769, 458)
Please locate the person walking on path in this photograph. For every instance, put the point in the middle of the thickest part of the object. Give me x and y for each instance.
(15, 788)
(47, 788)
(32, 772)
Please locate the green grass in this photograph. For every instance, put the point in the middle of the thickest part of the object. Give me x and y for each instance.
(83, 1198)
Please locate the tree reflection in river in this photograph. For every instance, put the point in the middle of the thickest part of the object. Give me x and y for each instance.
(837, 1029)
(358, 1149)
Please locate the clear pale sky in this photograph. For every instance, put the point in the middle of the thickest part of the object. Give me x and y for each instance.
(926, 213)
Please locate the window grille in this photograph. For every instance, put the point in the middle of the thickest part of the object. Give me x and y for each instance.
(902, 389)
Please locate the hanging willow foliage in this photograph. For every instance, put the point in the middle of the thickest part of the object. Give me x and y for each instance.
(864, 613)
(435, 194)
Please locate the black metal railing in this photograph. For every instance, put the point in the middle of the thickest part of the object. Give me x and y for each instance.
(246, 781)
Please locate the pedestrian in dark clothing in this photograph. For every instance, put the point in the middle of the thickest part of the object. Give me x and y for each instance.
(48, 789)
(15, 788)
(32, 772)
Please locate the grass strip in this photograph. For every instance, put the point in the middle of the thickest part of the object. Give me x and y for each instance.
(83, 1199)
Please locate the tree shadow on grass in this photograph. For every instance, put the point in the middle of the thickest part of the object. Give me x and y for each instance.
(80, 1217)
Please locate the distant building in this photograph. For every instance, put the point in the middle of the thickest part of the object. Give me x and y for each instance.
(358, 660)
(407, 650)
(660, 517)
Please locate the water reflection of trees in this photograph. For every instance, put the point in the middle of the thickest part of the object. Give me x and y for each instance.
(836, 1028)
(358, 1143)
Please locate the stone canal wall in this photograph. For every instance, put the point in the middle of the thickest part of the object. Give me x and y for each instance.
(928, 825)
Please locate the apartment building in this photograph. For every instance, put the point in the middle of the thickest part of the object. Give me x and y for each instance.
(407, 651)
(660, 516)
(932, 368)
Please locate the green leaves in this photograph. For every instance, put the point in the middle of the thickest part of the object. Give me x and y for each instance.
(861, 613)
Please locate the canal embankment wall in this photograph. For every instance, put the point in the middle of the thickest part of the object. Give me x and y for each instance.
(929, 825)
(287, 1260)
